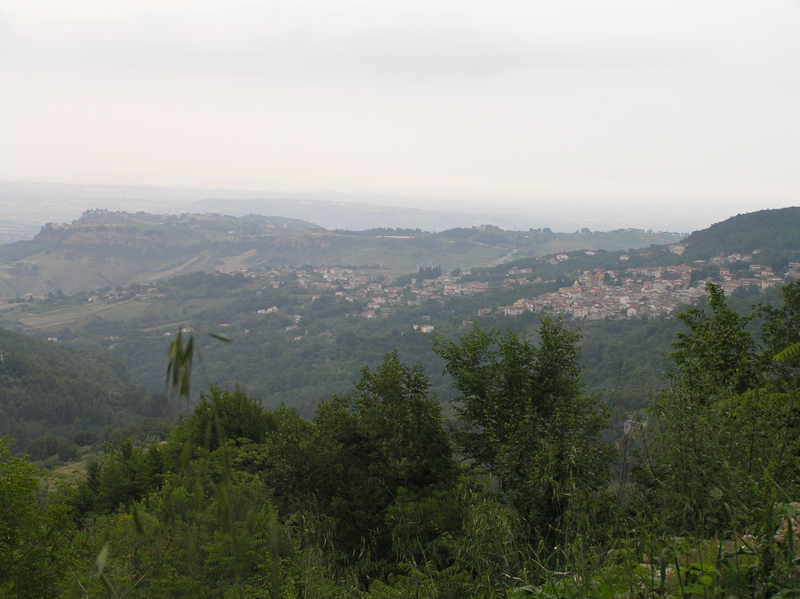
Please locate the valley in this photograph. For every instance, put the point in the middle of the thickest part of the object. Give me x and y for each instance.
(389, 393)
(301, 333)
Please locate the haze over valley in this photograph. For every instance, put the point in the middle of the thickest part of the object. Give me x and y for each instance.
(26, 206)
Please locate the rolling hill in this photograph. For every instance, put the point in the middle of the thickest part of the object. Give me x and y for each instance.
(106, 249)
(774, 234)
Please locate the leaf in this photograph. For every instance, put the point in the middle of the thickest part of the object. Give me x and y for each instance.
(179, 365)
(109, 587)
(179, 362)
(137, 521)
(100, 563)
(707, 568)
(706, 580)
(186, 456)
(695, 589)
(199, 494)
(218, 336)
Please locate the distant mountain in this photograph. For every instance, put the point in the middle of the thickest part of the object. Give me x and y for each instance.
(48, 388)
(105, 249)
(773, 234)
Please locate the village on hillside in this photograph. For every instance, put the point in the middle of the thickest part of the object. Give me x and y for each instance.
(601, 293)
(644, 292)
(649, 292)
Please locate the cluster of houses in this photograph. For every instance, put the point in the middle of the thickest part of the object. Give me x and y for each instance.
(650, 292)
(414, 295)
(381, 293)
(646, 291)
(653, 291)
(590, 298)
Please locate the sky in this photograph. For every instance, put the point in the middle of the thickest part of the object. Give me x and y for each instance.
(624, 103)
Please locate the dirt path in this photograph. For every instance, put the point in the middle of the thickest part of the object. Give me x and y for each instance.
(499, 261)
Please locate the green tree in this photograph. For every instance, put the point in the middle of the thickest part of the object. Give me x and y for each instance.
(719, 431)
(226, 415)
(523, 416)
(387, 435)
(780, 337)
(123, 476)
(35, 553)
(717, 356)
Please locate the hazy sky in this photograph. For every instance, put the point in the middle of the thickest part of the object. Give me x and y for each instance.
(628, 101)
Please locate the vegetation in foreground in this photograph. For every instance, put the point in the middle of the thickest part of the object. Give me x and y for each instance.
(378, 496)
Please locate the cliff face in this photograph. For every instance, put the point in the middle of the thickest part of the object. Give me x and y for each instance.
(52, 234)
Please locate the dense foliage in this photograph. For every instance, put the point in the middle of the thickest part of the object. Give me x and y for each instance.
(524, 418)
(376, 496)
(35, 532)
(279, 359)
(47, 389)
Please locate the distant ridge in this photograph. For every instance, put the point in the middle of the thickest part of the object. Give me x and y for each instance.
(26, 205)
(106, 249)
(350, 215)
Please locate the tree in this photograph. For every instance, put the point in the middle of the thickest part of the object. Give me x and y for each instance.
(387, 435)
(396, 405)
(226, 415)
(123, 476)
(35, 536)
(523, 416)
(722, 428)
(718, 355)
(780, 336)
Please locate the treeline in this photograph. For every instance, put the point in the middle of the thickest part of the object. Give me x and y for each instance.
(429, 272)
(379, 496)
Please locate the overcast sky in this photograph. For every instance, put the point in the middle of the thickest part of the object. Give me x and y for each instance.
(520, 102)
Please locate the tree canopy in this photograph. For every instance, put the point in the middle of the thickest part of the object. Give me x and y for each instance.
(522, 415)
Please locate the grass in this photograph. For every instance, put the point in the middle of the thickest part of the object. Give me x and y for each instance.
(73, 470)
(60, 317)
(168, 310)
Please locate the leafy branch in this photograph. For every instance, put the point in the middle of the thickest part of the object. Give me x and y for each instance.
(788, 354)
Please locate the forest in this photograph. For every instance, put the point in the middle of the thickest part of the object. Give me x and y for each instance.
(524, 488)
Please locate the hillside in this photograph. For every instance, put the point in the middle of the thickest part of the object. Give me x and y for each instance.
(771, 233)
(301, 334)
(48, 388)
(106, 249)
